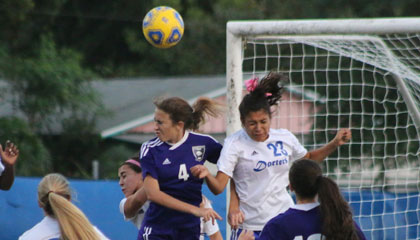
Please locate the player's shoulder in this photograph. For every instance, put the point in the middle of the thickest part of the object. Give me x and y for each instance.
(202, 136)
(237, 136)
(281, 133)
(282, 218)
(237, 140)
(146, 146)
(152, 143)
(46, 229)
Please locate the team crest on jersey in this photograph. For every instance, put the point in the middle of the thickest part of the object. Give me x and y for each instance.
(198, 152)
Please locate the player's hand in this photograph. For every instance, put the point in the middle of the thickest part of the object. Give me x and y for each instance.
(199, 171)
(343, 136)
(235, 218)
(246, 235)
(10, 153)
(207, 214)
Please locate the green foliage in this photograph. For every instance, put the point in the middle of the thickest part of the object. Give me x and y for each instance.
(51, 82)
(14, 14)
(73, 151)
(53, 91)
(47, 47)
(111, 159)
(34, 158)
(109, 34)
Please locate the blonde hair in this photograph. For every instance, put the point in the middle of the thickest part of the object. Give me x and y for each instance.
(54, 196)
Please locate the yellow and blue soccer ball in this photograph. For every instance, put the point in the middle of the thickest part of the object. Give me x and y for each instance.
(163, 27)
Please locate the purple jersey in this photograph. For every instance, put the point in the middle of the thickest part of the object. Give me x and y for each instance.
(301, 222)
(170, 166)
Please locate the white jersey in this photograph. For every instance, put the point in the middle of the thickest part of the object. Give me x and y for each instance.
(138, 218)
(48, 229)
(207, 228)
(260, 171)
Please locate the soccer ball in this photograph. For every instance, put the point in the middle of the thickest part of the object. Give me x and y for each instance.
(163, 27)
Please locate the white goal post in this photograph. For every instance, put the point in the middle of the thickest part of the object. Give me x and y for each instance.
(358, 73)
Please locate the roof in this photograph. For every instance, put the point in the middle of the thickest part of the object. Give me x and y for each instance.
(131, 100)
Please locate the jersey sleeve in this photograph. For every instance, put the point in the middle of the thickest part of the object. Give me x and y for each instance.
(147, 162)
(228, 158)
(122, 203)
(299, 151)
(208, 227)
(214, 149)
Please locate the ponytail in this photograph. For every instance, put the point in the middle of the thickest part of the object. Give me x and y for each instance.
(272, 87)
(179, 110)
(54, 197)
(262, 94)
(73, 223)
(337, 221)
(307, 181)
(204, 106)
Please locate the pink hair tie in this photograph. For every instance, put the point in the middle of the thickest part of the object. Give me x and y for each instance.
(132, 161)
(251, 84)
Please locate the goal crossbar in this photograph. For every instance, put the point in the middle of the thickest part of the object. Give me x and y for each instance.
(328, 26)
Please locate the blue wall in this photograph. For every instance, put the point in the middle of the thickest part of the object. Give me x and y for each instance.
(384, 215)
(99, 200)
(380, 215)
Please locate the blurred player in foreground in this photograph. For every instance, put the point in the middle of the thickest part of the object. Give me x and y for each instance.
(330, 218)
(63, 220)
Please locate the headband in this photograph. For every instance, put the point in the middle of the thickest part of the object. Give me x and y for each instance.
(132, 161)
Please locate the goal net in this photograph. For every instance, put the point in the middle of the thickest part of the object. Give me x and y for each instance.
(358, 74)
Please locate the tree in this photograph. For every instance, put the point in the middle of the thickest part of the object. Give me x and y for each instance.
(50, 86)
(53, 91)
(34, 158)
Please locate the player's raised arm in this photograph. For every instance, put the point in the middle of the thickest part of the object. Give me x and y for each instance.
(8, 158)
(342, 137)
(216, 183)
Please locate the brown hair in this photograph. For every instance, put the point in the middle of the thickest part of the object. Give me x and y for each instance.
(307, 181)
(180, 111)
(54, 197)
